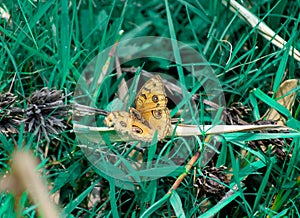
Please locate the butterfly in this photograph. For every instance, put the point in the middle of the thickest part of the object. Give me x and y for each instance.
(149, 115)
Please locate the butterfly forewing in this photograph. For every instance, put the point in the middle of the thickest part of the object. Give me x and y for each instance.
(151, 96)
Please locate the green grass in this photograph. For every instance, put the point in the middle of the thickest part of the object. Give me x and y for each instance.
(50, 44)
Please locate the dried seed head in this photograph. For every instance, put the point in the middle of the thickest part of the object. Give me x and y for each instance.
(235, 114)
(277, 146)
(7, 99)
(212, 181)
(45, 112)
(10, 117)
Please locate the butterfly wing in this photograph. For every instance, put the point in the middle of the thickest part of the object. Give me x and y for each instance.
(159, 120)
(151, 96)
(151, 102)
(151, 113)
(131, 123)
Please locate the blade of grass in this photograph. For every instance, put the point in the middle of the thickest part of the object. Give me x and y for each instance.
(236, 178)
(27, 24)
(112, 195)
(177, 204)
(280, 71)
(262, 187)
(291, 122)
(154, 207)
(65, 43)
(75, 202)
(175, 47)
(214, 210)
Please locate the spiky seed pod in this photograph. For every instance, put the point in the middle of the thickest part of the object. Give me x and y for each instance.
(7, 100)
(10, 117)
(235, 114)
(212, 179)
(45, 112)
(276, 146)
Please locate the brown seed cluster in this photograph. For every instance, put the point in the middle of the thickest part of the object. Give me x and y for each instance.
(235, 115)
(10, 116)
(213, 181)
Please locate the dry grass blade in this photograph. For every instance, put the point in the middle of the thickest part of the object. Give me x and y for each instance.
(104, 69)
(24, 178)
(190, 130)
(83, 110)
(262, 28)
(123, 88)
(92, 133)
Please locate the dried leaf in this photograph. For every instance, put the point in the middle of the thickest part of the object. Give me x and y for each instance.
(285, 100)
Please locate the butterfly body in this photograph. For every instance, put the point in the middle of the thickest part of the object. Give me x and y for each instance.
(150, 115)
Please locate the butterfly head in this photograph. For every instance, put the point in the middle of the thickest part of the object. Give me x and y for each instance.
(109, 120)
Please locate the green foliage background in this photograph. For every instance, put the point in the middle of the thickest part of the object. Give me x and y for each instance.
(49, 43)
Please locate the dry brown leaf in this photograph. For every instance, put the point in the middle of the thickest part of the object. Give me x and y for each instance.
(287, 101)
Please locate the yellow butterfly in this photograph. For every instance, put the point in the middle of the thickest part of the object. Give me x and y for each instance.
(150, 115)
